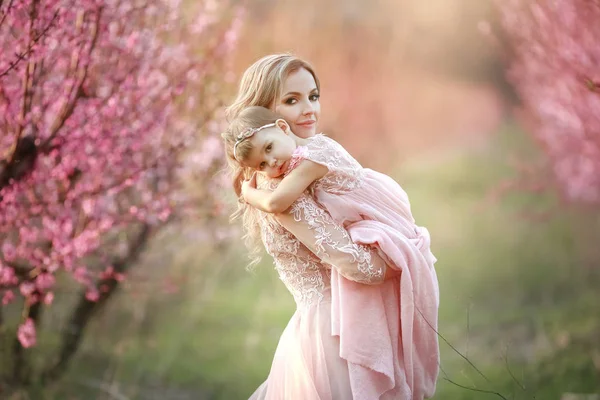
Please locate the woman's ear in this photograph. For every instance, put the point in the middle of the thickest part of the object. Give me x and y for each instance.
(283, 125)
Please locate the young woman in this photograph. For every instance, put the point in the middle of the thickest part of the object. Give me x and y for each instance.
(347, 339)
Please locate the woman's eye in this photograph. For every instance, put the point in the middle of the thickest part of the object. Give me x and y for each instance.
(262, 165)
(314, 97)
(269, 147)
(290, 101)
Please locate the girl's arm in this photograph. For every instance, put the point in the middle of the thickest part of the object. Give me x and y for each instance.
(288, 191)
(329, 241)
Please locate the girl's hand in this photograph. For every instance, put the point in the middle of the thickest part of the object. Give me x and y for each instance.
(248, 185)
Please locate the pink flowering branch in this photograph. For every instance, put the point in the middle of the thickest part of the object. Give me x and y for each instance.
(101, 122)
(553, 58)
(80, 71)
(24, 54)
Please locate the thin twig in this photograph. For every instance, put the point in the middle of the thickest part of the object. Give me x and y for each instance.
(21, 56)
(452, 347)
(510, 372)
(6, 12)
(475, 390)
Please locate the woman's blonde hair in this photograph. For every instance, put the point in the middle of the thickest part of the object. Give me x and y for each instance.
(260, 86)
(262, 81)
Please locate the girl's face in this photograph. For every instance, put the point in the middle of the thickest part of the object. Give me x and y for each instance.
(299, 103)
(271, 151)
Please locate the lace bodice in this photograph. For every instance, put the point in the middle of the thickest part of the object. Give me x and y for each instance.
(306, 242)
(302, 272)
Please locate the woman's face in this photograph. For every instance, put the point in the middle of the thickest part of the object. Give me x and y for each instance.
(299, 103)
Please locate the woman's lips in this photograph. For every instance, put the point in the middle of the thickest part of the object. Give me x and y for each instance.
(306, 124)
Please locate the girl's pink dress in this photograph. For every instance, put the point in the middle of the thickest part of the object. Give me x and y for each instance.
(383, 336)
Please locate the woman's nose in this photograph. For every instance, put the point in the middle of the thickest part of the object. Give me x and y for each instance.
(308, 108)
(273, 162)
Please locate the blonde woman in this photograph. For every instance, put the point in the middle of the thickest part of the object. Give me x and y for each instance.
(320, 356)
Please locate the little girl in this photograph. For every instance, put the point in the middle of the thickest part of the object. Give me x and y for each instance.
(375, 211)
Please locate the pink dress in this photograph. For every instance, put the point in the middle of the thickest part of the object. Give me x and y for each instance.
(353, 336)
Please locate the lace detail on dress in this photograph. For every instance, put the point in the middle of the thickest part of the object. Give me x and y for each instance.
(345, 173)
(323, 225)
(306, 271)
(297, 156)
(304, 275)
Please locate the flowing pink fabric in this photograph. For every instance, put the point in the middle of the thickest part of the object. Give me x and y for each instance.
(406, 359)
(387, 332)
(354, 340)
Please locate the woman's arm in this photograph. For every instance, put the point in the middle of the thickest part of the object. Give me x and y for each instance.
(288, 191)
(317, 230)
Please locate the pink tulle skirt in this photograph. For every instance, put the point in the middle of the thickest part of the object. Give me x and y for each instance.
(307, 363)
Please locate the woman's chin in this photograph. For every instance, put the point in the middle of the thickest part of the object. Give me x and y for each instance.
(305, 132)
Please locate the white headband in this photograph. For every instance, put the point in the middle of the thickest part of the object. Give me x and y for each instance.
(246, 134)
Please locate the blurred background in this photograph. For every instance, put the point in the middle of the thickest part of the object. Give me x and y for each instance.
(417, 90)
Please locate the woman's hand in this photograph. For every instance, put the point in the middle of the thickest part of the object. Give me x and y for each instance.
(248, 185)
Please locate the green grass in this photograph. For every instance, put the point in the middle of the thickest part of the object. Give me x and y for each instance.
(518, 297)
(510, 285)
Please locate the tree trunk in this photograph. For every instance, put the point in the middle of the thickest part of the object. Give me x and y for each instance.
(85, 309)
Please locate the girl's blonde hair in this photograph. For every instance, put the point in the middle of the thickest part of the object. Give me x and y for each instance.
(260, 86)
(237, 137)
(240, 131)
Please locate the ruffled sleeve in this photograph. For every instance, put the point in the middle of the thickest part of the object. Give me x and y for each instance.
(344, 172)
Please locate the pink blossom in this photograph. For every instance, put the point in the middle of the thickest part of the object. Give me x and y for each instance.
(554, 68)
(101, 131)
(26, 333)
(27, 288)
(8, 251)
(7, 276)
(92, 294)
(8, 297)
(44, 281)
(48, 298)
(109, 273)
(81, 275)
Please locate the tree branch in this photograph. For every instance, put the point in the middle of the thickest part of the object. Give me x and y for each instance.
(25, 103)
(85, 309)
(6, 12)
(21, 372)
(75, 90)
(23, 55)
(452, 347)
(474, 389)
(105, 188)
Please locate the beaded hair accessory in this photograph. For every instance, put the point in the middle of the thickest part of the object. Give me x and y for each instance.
(247, 134)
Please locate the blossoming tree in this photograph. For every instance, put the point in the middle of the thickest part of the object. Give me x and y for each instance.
(553, 57)
(99, 101)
